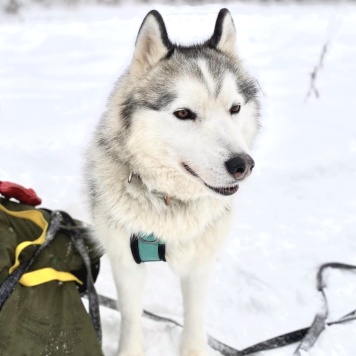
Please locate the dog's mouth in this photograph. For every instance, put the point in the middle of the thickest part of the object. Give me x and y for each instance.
(220, 190)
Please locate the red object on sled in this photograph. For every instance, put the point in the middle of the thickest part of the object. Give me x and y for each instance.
(20, 193)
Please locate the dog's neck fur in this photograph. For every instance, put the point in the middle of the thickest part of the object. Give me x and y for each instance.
(167, 197)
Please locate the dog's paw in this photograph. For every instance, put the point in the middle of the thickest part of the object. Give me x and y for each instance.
(194, 344)
(134, 351)
(194, 353)
(131, 344)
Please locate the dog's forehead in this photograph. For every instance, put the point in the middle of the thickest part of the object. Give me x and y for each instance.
(206, 88)
(217, 72)
(203, 78)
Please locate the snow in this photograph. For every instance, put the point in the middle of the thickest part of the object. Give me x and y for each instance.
(298, 209)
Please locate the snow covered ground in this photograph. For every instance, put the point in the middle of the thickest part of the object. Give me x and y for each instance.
(297, 210)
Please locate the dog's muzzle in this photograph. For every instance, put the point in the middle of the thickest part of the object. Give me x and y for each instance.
(239, 167)
(220, 190)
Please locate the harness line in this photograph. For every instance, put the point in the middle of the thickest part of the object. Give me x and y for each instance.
(306, 336)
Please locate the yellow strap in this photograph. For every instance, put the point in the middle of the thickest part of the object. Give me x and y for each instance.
(36, 217)
(45, 274)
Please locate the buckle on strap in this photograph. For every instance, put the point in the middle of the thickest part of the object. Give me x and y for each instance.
(147, 248)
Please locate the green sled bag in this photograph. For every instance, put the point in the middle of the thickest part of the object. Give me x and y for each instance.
(42, 314)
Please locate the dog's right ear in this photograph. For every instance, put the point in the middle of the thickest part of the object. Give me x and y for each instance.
(152, 43)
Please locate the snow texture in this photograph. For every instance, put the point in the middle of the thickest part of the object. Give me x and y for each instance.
(298, 209)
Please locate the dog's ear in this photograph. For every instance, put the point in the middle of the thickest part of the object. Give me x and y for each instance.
(224, 36)
(152, 43)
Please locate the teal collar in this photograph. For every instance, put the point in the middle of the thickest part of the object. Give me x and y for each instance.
(147, 248)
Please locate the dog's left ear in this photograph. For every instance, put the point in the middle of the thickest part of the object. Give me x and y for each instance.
(224, 36)
(152, 43)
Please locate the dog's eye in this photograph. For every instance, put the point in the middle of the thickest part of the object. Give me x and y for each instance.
(235, 109)
(184, 114)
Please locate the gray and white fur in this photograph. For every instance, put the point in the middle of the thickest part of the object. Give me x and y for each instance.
(166, 158)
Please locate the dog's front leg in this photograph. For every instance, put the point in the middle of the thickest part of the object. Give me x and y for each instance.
(129, 280)
(194, 338)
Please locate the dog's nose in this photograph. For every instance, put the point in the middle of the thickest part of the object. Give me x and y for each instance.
(240, 166)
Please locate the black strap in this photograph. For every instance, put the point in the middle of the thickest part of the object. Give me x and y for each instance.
(134, 249)
(78, 234)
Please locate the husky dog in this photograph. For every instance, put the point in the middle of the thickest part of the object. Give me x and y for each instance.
(165, 159)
